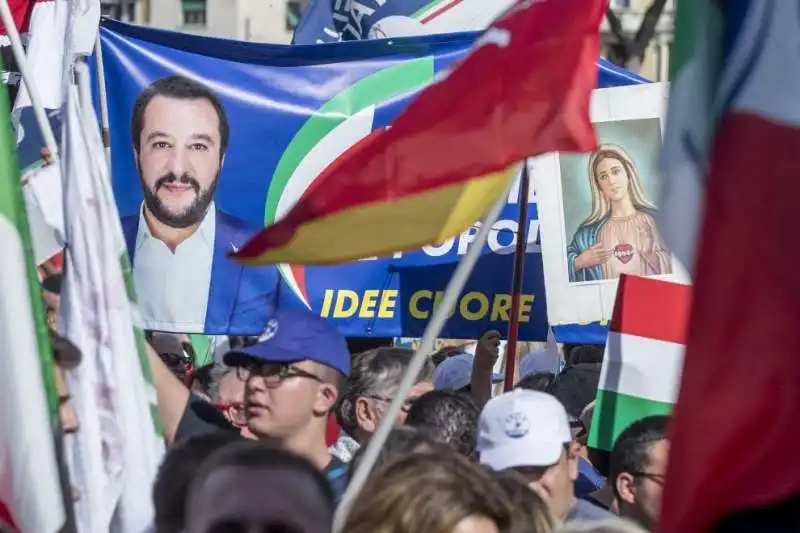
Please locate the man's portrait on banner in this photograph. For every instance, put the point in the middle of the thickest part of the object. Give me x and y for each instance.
(609, 205)
(179, 238)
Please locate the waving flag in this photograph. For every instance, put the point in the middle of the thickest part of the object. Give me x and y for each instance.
(644, 356)
(116, 453)
(29, 482)
(415, 183)
(739, 394)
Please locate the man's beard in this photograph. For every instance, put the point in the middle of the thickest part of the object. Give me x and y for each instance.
(187, 216)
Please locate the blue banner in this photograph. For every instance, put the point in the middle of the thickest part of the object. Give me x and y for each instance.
(289, 112)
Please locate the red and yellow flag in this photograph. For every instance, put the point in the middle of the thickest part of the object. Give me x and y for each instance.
(524, 90)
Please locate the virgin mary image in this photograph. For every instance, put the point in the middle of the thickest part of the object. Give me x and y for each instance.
(620, 235)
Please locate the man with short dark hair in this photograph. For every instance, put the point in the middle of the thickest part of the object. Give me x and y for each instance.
(171, 487)
(638, 469)
(178, 241)
(251, 486)
(448, 416)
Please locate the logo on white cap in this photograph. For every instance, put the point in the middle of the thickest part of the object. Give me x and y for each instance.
(270, 331)
(517, 425)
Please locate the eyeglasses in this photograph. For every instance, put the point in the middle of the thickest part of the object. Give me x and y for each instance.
(234, 412)
(273, 374)
(408, 403)
(660, 479)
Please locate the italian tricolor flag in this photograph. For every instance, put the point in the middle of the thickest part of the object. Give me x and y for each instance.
(644, 356)
(29, 482)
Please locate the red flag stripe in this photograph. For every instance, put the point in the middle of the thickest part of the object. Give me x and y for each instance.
(21, 12)
(737, 408)
(651, 308)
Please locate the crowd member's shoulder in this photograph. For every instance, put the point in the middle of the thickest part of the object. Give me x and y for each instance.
(201, 417)
(338, 477)
(583, 510)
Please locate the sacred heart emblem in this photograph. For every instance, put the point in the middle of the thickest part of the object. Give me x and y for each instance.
(623, 252)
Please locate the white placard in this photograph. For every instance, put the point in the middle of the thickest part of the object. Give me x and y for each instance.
(597, 211)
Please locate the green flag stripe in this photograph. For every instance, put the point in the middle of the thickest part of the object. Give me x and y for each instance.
(12, 207)
(615, 411)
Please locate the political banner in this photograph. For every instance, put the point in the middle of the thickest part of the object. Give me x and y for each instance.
(212, 139)
(326, 21)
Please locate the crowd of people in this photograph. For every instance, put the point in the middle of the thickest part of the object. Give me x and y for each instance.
(268, 437)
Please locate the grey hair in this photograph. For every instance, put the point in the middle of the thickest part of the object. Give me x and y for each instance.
(611, 525)
(218, 371)
(376, 372)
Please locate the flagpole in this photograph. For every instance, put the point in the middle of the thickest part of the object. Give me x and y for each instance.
(432, 331)
(36, 102)
(518, 274)
(103, 97)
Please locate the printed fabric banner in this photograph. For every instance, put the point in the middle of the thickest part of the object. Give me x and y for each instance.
(213, 139)
(326, 21)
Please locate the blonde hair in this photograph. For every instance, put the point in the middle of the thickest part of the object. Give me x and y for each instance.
(600, 207)
(612, 525)
(428, 493)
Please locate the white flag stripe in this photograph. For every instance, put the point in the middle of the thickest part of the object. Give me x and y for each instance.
(642, 367)
(117, 452)
(28, 473)
(768, 86)
(44, 205)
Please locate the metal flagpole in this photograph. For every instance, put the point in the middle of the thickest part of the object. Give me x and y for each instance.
(516, 282)
(434, 327)
(36, 102)
(103, 97)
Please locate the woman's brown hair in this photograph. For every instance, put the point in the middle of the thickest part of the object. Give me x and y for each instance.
(530, 514)
(428, 493)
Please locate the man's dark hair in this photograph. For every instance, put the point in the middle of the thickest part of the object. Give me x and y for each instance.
(585, 353)
(251, 454)
(171, 487)
(576, 387)
(448, 416)
(631, 451)
(181, 88)
(402, 441)
(538, 381)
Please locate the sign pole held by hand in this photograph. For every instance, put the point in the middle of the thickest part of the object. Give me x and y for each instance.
(517, 276)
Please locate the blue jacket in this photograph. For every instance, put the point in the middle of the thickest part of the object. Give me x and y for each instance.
(240, 299)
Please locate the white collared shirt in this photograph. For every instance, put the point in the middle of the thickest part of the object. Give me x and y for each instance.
(172, 288)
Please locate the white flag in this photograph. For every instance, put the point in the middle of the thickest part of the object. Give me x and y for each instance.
(29, 485)
(115, 455)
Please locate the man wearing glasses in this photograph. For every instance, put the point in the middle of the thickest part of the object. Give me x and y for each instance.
(293, 377)
(638, 469)
(375, 378)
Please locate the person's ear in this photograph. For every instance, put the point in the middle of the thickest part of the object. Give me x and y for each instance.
(626, 488)
(366, 417)
(573, 456)
(326, 399)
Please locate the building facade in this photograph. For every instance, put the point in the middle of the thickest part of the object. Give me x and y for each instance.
(270, 21)
(273, 21)
(630, 12)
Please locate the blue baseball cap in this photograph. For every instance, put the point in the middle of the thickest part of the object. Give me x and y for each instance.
(294, 335)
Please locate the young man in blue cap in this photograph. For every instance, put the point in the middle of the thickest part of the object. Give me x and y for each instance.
(293, 377)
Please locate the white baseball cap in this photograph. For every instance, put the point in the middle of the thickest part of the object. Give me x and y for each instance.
(455, 373)
(522, 428)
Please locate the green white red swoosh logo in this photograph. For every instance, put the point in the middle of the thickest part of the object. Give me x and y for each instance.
(341, 123)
